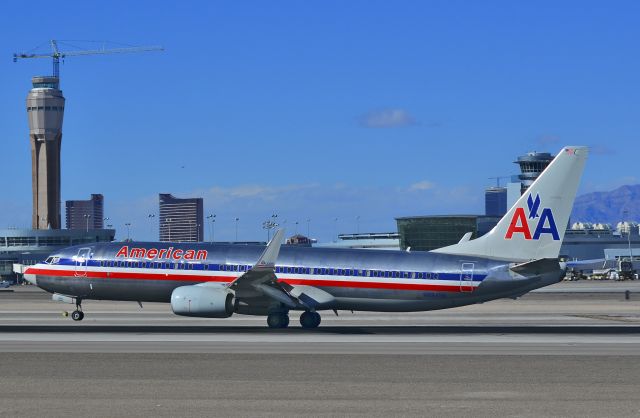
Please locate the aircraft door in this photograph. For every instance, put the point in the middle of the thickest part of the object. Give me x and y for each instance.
(466, 277)
(82, 260)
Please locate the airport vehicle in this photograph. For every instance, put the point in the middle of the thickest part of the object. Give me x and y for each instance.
(4, 284)
(214, 280)
(625, 269)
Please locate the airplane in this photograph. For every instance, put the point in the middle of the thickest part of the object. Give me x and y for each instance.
(518, 255)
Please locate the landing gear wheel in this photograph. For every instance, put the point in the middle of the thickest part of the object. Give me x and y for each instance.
(278, 320)
(310, 319)
(77, 315)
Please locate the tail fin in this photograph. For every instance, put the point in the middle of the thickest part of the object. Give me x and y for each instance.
(534, 227)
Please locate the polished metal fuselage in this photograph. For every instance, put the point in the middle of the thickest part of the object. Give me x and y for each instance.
(372, 280)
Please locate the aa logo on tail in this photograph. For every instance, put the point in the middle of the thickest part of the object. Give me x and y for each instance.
(544, 222)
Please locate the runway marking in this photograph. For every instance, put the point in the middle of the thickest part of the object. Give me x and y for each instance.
(617, 318)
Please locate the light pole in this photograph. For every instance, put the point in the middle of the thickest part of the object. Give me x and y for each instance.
(358, 224)
(626, 212)
(213, 222)
(151, 217)
(308, 222)
(86, 217)
(237, 219)
(128, 225)
(335, 229)
(272, 225)
(269, 225)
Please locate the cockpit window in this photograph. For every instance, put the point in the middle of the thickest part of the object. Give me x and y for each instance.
(48, 260)
(55, 260)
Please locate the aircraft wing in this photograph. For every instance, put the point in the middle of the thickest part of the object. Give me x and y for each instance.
(263, 270)
(261, 279)
(262, 282)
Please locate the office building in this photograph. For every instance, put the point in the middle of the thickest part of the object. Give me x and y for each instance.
(45, 109)
(86, 214)
(181, 220)
(495, 201)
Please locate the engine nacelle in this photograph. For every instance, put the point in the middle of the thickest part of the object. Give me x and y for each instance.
(202, 301)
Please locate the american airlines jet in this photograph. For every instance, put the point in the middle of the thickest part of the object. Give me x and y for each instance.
(215, 281)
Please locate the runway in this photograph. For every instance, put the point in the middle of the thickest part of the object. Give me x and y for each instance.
(555, 353)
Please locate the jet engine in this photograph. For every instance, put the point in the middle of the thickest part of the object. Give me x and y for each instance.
(202, 301)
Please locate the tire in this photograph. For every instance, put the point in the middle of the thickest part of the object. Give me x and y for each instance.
(310, 320)
(277, 320)
(77, 315)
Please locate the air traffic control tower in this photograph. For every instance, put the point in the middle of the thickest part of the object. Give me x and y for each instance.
(45, 108)
(532, 165)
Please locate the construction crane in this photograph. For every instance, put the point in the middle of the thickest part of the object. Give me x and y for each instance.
(497, 179)
(56, 54)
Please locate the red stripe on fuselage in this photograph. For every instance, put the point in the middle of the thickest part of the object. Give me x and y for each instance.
(227, 279)
(90, 274)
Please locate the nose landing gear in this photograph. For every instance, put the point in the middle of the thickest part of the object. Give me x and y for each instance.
(78, 315)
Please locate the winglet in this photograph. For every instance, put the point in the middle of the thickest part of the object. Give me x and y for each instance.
(270, 254)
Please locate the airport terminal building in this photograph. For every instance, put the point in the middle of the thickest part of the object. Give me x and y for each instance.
(30, 246)
(426, 233)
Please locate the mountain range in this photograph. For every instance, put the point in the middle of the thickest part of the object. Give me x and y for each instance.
(611, 207)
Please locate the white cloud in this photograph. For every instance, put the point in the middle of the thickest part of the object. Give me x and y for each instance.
(387, 118)
(421, 186)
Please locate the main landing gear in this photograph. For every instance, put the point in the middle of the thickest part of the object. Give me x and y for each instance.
(310, 319)
(278, 320)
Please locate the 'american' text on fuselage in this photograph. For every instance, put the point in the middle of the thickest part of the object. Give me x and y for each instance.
(166, 253)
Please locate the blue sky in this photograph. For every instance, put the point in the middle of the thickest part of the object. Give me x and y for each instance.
(320, 110)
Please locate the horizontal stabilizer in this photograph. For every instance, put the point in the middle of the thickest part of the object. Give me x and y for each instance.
(537, 267)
